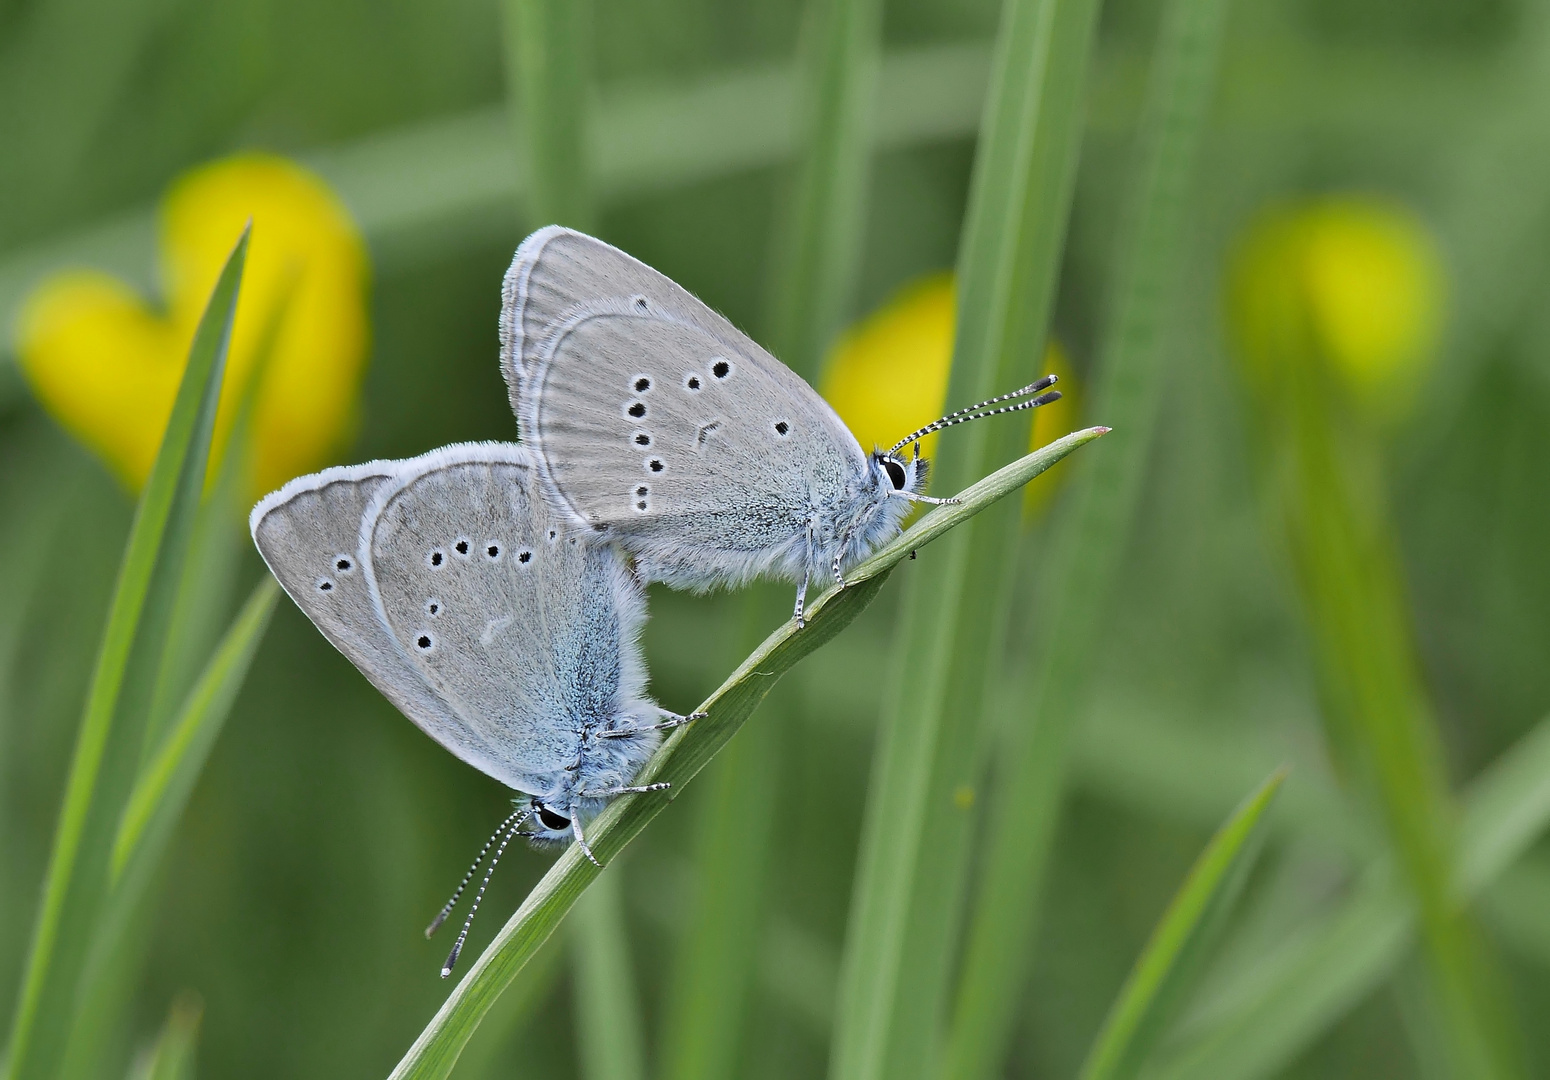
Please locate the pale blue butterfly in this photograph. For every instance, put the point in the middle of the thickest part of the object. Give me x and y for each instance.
(509, 639)
(658, 425)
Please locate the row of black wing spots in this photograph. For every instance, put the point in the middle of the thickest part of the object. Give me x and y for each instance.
(462, 547)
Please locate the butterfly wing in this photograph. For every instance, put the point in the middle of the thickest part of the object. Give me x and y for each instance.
(525, 632)
(309, 534)
(654, 420)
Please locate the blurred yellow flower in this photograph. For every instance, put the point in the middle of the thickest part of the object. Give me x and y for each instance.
(1358, 281)
(887, 375)
(107, 366)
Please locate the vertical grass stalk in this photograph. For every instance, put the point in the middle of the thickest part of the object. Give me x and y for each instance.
(817, 245)
(915, 844)
(548, 49)
(609, 1041)
(1129, 387)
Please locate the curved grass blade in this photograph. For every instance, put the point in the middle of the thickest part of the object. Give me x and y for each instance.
(1256, 1026)
(1173, 956)
(107, 751)
(683, 755)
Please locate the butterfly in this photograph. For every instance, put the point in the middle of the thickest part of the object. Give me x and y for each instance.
(657, 425)
(451, 584)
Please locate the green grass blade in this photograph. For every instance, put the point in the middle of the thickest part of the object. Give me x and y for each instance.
(916, 841)
(683, 755)
(547, 50)
(163, 786)
(108, 748)
(172, 1058)
(1177, 948)
(819, 243)
(1254, 1027)
(1022, 823)
(608, 1032)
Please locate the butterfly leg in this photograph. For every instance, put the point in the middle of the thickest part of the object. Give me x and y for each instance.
(608, 793)
(802, 600)
(674, 720)
(581, 841)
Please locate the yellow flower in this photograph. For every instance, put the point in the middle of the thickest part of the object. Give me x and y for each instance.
(1355, 281)
(887, 375)
(107, 366)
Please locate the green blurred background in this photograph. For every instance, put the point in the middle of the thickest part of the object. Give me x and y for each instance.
(326, 829)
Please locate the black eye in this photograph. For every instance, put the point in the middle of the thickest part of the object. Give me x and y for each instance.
(493, 551)
(643, 439)
(343, 565)
(781, 427)
(721, 369)
(895, 473)
(637, 410)
(325, 586)
(654, 465)
(462, 547)
(525, 556)
(423, 641)
(436, 558)
(693, 382)
(642, 384)
(551, 820)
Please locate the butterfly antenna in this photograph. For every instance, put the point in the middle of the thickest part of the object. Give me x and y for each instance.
(963, 416)
(500, 829)
(462, 935)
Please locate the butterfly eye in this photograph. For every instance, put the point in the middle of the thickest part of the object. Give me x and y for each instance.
(551, 820)
(895, 472)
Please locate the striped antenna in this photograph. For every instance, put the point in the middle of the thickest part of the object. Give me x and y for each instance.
(962, 416)
(500, 830)
(462, 935)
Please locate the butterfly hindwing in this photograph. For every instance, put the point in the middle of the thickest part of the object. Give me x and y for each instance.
(522, 629)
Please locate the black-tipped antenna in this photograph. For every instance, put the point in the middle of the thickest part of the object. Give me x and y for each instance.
(500, 829)
(962, 415)
(462, 935)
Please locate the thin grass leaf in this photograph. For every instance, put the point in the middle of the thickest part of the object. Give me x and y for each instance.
(172, 1058)
(1172, 957)
(684, 754)
(547, 50)
(1256, 1025)
(164, 785)
(108, 747)
(608, 1031)
(1088, 550)
(905, 909)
